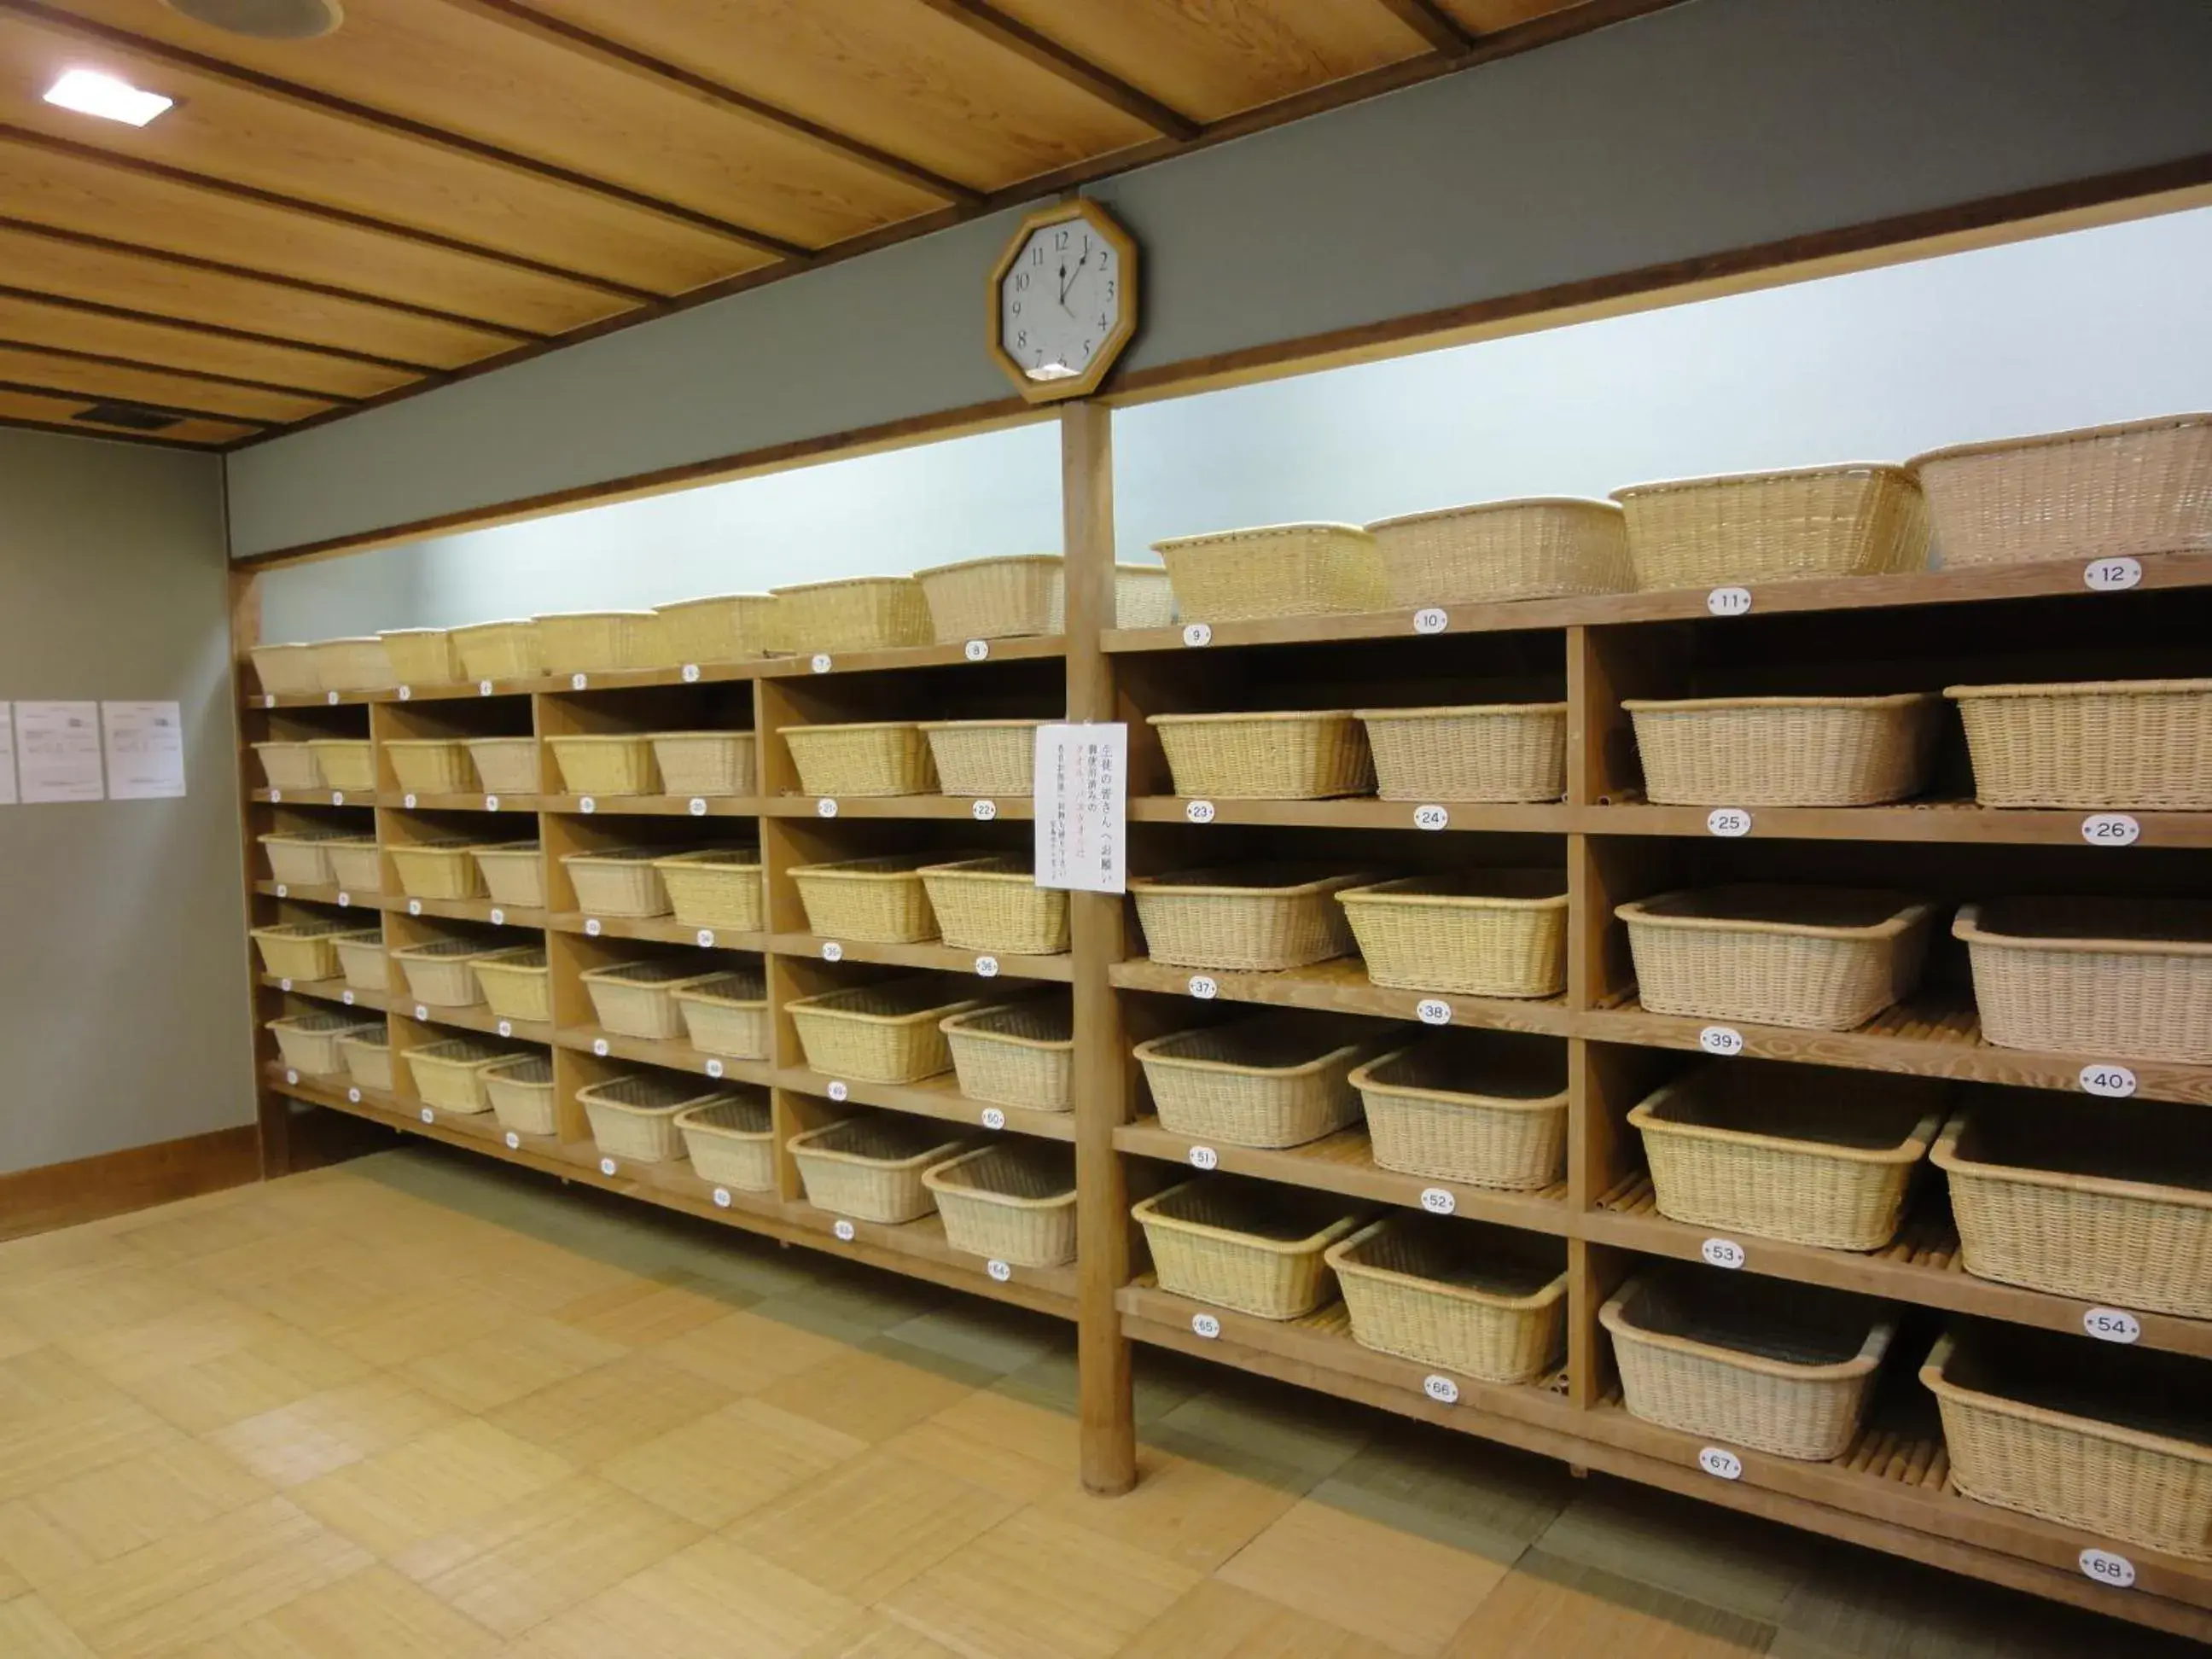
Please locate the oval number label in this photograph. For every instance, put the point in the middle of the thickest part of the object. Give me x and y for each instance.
(1722, 1465)
(1437, 1201)
(1728, 601)
(1205, 1325)
(825, 808)
(347, 998)
(1721, 1252)
(2109, 577)
(1433, 1011)
(1442, 1390)
(421, 1012)
(999, 1270)
(483, 688)
(345, 901)
(1197, 633)
(2113, 1082)
(706, 937)
(1199, 812)
(429, 1116)
(1430, 620)
(2110, 829)
(844, 1230)
(276, 795)
(513, 1141)
(578, 682)
(330, 696)
(413, 907)
(821, 663)
(715, 1068)
(499, 918)
(993, 1118)
(291, 1077)
(1204, 1157)
(591, 927)
(1431, 817)
(988, 967)
(283, 891)
(1728, 821)
(977, 650)
(2103, 1566)
(691, 673)
(606, 1166)
(722, 1198)
(408, 801)
(838, 1092)
(491, 803)
(1203, 987)
(698, 806)
(507, 1028)
(983, 810)
(832, 951)
(1721, 1039)
(2112, 1325)
(284, 984)
(353, 1095)
(599, 1047)
(406, 693)
(587, 804)
(337, 797)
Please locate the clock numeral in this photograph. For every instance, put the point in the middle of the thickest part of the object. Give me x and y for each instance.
(1037, 254)
(1021, 281)
(1022, 341)
(1016, 307)
(1060, 242)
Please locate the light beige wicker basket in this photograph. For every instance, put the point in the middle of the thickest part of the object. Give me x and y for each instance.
(438, 869)
(599, 641)
(1275, 570)
(285, 670)
(1543, 548)
(606, 764)
(634, 1117)
(1503, 752)
(2100, 492)
(422, 656)
(1825, 958)
(1255, 917)
(300, 857)
(2109, 1201)
(732, 1142)
(870, 1167)
(1487, 1108)
(1292, 754)
(707, 762)
(450, 1075)
(877, 901)
(505, 766)
(1281, 1079)
(1479, 932)
(351, 665)
(1250, 1246)
(432, 766)
(984, 758)
(368, 1059)
(2116, 1445)
(1484, 1302)
(310, 1043)
(1015, 1054)
(2115, 745)
(356, 864)
(994, 905)
(861, 613)
(1013, 1202)
(442, 973)
(289, 765)
(346, 763)
(637, 998)
(877, 758)
(517, 984)
(620, 881)
(514, 874)
(520, 1091)
(362, 961)
(1027, 594)
(500, 650)
(1786, 752)
(304, 951)
(1862, 520)
(724, 627)
(727, 1014)
(1795, 1152)
(882, 1033)
(1764, 1363)
(716, 887)
(2117, 978)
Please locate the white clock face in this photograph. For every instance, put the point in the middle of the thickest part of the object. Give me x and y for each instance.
(1060, 301)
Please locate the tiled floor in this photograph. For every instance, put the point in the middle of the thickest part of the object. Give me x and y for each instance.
(422, 1405)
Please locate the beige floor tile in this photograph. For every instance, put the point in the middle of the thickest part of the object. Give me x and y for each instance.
(1037, 1586)
(865, 1395)
(431, 1485)
(16, 1337)
(1038, 1433)
(1216, 1621)
(75, 1301)
(46, 1378)
(604, 1412)
(978, 1460)
(422, 1321)
(873, 1636)
(1546, 1605)
(40, 1449)
(1403, 1591)
(530, 1354)
(1694, 1550)
(1192, 1514)
(731, 1461)
(372, 1614)
(536, 1278)
(29, 1629)
(712, 1601)
(646, 1310)
(746, 1353)
(176, 1233)
(1451, 1489)
(95, 1517)
(295, 1443)
(276, 1370)
(72, 1249)
(198, 1331)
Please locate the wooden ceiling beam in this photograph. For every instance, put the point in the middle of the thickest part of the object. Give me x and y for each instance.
(340, 400)
(244, 337)
(79, 394)
(1428, 20)
(152, 440)
(1046, 54)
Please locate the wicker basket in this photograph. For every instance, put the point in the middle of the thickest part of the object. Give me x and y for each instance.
(726, 627)
(300, 857)
(352, 664)
(984, 758)
(368, 1058)
(1499, 551)
(1253, 916)
(1504, 751)
(2118, 745)
(499, 651)
(2102, 492)
(621, 881)
(521, 1095)
(1764, 1363)
(442, 973)
(1281, 1080)
(707, 762)
(450, 1075)
(870, 1167)
(716, 887)
(599, 641)
(731, 1143)
(634, 1117)
(882, 1033)
(517, 984)
(880, 758)
(2114, 977)
(1789, 1151)
(1027, 594)
(606, 764)
(289, 765)
(995, 905)
(346, 763)
(439, 869)
(1013, 1202)
(2109, 1202)
(1786, 752)
(1277, 570)
(1482, 933)
(862, 613)
(2118, 1445)
(1016, 1053)
(1250, 1246)
(1776, 526)
(506, 766)
(310, 1043)
(1825, 958)
(1486, 1109)
(432, 766)
(362, 960)
(422, 656)
(1292, 756)
(1484, 1301)
(304, 951)
(285, 670)
(356, 864)
(637, 998)
(879, 901)
(514, 874)
(727, 1014)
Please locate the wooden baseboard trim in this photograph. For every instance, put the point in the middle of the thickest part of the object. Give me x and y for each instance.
(63, 1194)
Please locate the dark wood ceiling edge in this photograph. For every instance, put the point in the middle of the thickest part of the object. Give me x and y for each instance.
(403, 127)
(1046, 54)
(101, 435)
(244, 337)
(341, 402)
(78, 394)
(1432, 24)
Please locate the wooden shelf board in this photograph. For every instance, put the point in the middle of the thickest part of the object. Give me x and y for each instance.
(1342, 985)
(896, 806)
(932, 955)
(655, 806)
(939, 1096)
(1027, 647)
(523, 806)
(469, 910)
(674, 1055)
(476, 1017)
(1928, 821)
(332, 990)
(322, 893)
(1537, 818)
(666, 929)
(1048, 1289)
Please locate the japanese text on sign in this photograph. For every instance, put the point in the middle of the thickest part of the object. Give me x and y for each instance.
(1081, 786)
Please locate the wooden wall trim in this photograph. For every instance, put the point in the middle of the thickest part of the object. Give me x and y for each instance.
(135, 1178)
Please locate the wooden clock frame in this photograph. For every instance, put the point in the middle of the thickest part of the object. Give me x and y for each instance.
(1103, 225)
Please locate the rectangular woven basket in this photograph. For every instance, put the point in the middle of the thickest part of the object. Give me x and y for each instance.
(995, 905)
(450, 1075)
(860, 613)
(634, 1117)
(423, 656)
(600, 641)
(1786, 752)
(1012, 1202)
(1789, 1151)
(505, 766)
(304, 951)
(310, 1043)
(1245, 1245)
(351, 665)
(521, 1095)
(2114, 977)
(517, 984)
(2092, 745)
(1543, 548)
(356, 864)
(362, 961)
(879, 901)
(499, 651)
(724, 627)
(2109, 1202)
(1480, 932)
(870, 1167)
(621, 881)
(1506, 751)
(1027, 594)
(300, 857)
(1779, 1367)
(1488, 1109)
(1824, 958)
(346, 764)
(514, 874)
(2101, 492)
(1015, 1054)
(289, 765)
(438, 869)
(1484, 1302)
(883, 757)
(2114, 1445)
(732, 1142)
(285, 670)
(1862, 520)
(1274, 570)
(716, 887)
(1255, 917)
(1281, 1080)
(637, 998)
(882, 1033)
(442, 973)
(368, 1059)
(1292, 755)
(432, 766)
(984, 758)
(707, 762)
(727, 1014)
(606, 764)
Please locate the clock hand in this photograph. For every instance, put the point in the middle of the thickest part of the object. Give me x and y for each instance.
(1067, 277)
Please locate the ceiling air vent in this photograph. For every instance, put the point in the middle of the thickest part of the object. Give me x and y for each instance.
(264, 20)
(132, 417)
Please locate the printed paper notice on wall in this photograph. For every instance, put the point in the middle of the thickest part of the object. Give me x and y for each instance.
(1082, 787)
(7, 754)
(145, 746)
(58, 750)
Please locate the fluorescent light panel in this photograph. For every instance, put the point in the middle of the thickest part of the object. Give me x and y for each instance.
(90, 93)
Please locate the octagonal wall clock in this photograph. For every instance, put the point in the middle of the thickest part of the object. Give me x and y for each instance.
(1063, 301)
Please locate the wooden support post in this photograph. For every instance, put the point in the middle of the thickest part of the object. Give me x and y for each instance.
(272, 1112)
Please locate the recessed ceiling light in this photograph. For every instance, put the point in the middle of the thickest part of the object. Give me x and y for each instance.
(264, 20)
(90, 93)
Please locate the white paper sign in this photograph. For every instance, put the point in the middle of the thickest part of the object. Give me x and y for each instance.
(145, 744)
(58, 751)
(1081, 786)
(7, 754)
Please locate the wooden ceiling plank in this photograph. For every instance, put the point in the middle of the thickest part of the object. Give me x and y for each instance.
(1040, 49)
(217, 330)
(77, 394)
(81, 373)
(1482, 18)
(59, 413)
(78, 429)
(1428, 20)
